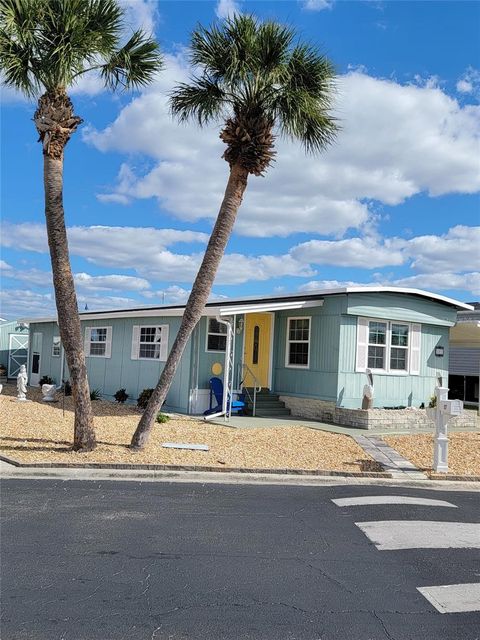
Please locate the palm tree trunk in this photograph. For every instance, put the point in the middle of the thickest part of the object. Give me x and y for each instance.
(197, 300)
(66, 301)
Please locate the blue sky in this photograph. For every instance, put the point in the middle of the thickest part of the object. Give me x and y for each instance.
(393, 202)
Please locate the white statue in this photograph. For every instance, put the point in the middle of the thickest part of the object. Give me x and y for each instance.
(48, 392)
(367, 401)
(22, 384)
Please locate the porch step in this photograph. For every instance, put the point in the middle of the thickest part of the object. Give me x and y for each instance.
(267, 404)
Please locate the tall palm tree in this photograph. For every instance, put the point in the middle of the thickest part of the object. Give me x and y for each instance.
(257, 81)
(46, 46)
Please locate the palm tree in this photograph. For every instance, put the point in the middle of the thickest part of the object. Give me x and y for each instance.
(255, 80)
(46, 46)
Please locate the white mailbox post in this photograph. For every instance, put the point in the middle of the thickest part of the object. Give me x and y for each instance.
(445, 410)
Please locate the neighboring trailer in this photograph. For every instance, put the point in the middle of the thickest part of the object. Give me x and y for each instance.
(13, 346)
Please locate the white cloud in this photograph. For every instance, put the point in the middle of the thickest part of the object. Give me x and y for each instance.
(443, 282)
(427, 281)
(111, 246)
(83, 281)
(16, 303)
(317, 5)
(227, 9)
(354, 252)
(141, 14)
(457, 250)
(469, 83)
(111, 282)
(396, 141)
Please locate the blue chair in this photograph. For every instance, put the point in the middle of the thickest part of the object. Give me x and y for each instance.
(216, 391)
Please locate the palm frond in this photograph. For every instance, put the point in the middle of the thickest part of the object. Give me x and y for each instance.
(47, 44)
(202, 100)
(252, 73)
(134, 65)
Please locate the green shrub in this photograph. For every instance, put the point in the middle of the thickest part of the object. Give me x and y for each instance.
(433, 402)
(95, 394)
(121, 395)
(143, 398)
(45, 380)
(162, 418)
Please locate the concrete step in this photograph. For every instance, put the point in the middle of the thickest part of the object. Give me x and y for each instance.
(270, 412)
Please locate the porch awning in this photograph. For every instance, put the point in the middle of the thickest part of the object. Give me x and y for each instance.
(269, 306)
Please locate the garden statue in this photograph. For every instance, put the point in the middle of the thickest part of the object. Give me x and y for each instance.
(22, 384)
(48, 392)
(367, 401)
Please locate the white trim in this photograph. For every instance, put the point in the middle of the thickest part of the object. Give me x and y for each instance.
(269, 307)
(136, 342)
(56, 355)
(107, 342)
(208, 311)
(207, 333)
(270, 364)
(287, 351)
(388, 346)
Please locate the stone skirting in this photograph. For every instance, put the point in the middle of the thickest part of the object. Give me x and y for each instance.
(395, 419)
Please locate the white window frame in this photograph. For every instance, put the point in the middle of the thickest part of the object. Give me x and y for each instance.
(89, 342)
(140, 342)
(388, 347)
(57, 341)
(288, 342)
(214, 333)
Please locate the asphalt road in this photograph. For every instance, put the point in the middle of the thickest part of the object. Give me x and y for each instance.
(85, 560)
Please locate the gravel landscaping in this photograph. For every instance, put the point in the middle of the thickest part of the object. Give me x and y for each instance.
(463, 451)
(36, 432)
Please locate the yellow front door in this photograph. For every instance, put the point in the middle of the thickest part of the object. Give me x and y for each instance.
(256, 355)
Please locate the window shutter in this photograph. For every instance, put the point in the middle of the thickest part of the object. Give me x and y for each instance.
(86, 344)
(164, 343)
(415, 348)
(135, 342)
(362, 344)
(108, 343)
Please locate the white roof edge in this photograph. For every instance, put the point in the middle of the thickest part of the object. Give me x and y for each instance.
(214, 310)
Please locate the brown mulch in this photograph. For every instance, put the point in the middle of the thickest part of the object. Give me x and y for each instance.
(36, 431)
(463, 451)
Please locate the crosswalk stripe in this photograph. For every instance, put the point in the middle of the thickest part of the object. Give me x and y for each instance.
(389, 535)
(372, 500)
(453, 598)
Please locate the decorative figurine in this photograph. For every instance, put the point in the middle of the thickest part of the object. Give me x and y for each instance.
(367, 401)
(48, 392)
(22, 384)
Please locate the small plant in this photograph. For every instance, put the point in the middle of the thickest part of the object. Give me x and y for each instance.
(162, 418)
(143, 398)
(67, 388)
(433, 402)
(95, 394)
(45, 380)
(121, 396)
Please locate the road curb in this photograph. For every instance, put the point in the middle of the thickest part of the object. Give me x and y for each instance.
(190, 468)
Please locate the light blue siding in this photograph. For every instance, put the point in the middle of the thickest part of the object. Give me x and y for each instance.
(390, 389)
(395, 306)
(120, 371)
(49, 365)
(320, 379)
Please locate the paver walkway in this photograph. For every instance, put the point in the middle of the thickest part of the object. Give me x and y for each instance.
(390, 459)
